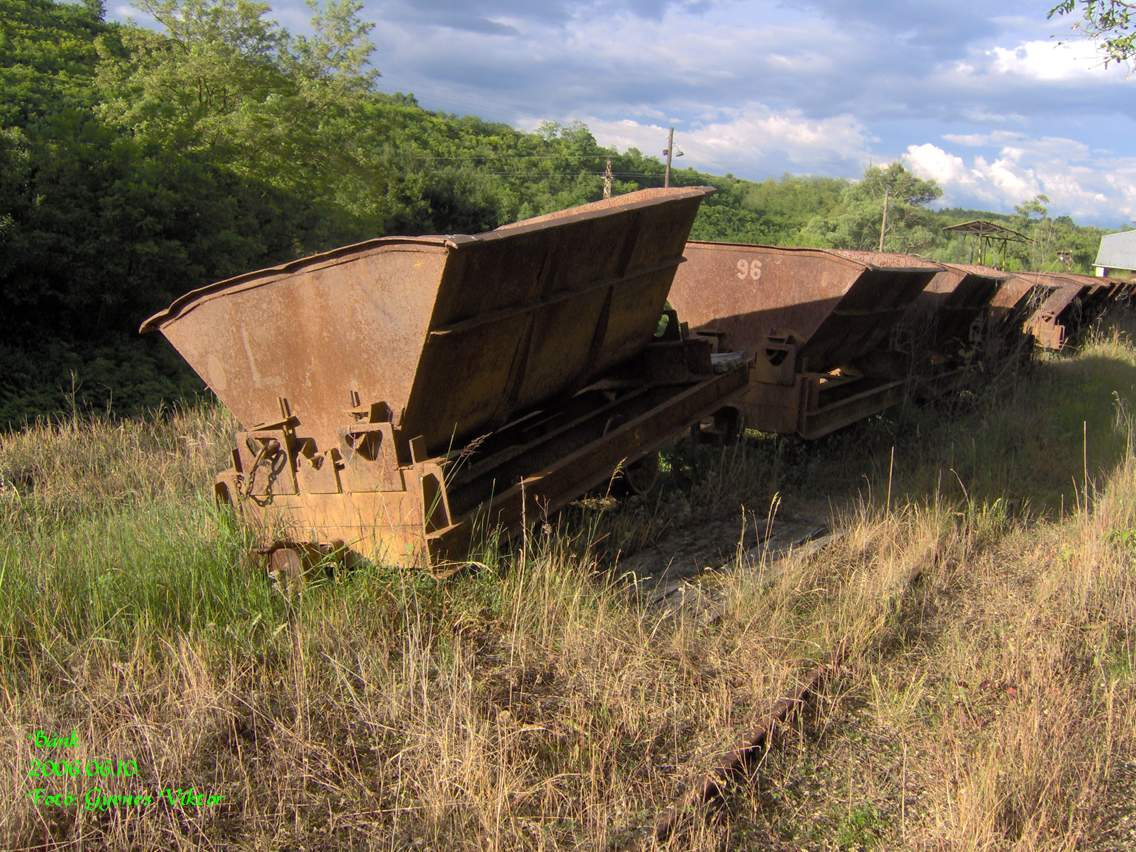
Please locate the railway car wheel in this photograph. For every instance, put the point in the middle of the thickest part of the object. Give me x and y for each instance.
(639, 477)
(642, 476)
(291, 565)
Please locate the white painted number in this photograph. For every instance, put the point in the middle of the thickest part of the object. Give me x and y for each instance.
(749, 269)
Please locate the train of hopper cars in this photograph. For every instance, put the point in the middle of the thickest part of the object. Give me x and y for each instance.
(401, 396)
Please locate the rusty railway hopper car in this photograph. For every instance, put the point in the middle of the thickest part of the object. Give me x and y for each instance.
(944, 331)
(955, 306)
(1052, 305)
(399, 394)
(810, 318)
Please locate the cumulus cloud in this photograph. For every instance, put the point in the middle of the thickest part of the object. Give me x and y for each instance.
(1054, 62)
(1032, 80)
(1076, 181)
(751, 138)
(931, 162)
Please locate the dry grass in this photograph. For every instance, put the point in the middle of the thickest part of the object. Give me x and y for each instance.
(986, 591)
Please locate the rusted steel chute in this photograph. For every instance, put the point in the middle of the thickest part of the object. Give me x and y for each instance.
(1106, 292)
(943, 334)
(1053, 307)
(1015, 301)
(1061, 314)
(954, 306)
(1043, 304)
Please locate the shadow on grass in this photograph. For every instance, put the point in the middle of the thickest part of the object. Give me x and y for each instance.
(1062, 425)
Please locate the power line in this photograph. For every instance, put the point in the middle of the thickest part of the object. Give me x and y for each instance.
(657, 175)
(508, 155)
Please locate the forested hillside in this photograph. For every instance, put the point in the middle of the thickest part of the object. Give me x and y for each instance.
(135, 165)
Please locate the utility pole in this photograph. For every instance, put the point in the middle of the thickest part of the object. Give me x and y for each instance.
(884, 220)
(607, 178)
(669, 152)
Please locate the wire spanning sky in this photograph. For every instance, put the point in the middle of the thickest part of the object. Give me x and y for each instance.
(992, 100)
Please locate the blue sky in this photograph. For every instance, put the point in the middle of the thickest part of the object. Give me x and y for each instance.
(992, 100)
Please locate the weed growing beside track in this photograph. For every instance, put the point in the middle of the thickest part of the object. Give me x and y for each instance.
(984, 584)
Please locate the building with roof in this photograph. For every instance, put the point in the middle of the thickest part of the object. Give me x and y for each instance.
(1117, 252)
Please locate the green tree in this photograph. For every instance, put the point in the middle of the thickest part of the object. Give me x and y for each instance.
(212, 81)
(339, 52)
(858, 221)
(47, 55)
(786, 205)
(898, 184)
(1032, 210)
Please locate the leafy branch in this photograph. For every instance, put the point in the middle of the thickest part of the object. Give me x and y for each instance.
(1106, 21)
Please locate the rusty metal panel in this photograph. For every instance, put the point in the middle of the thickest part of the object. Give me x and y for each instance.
(455, 334)
(1105, 292)
(428, 513)
(948, 308)
(311, 331)
(835, 307)
(560, 466)
(817, 404)
(1017, 299)
(1127, 293)
(1065, 294)
(1096, 303)
(807, 316)
(956, 299)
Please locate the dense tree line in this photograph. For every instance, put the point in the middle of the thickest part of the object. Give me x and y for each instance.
(136, 164)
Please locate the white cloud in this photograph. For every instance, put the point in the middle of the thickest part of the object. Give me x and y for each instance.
(931, 162)
(749, 140)
(1035, 63)
(980, 140)
(1014, 180)
(1054, 62)
(1085, 184)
